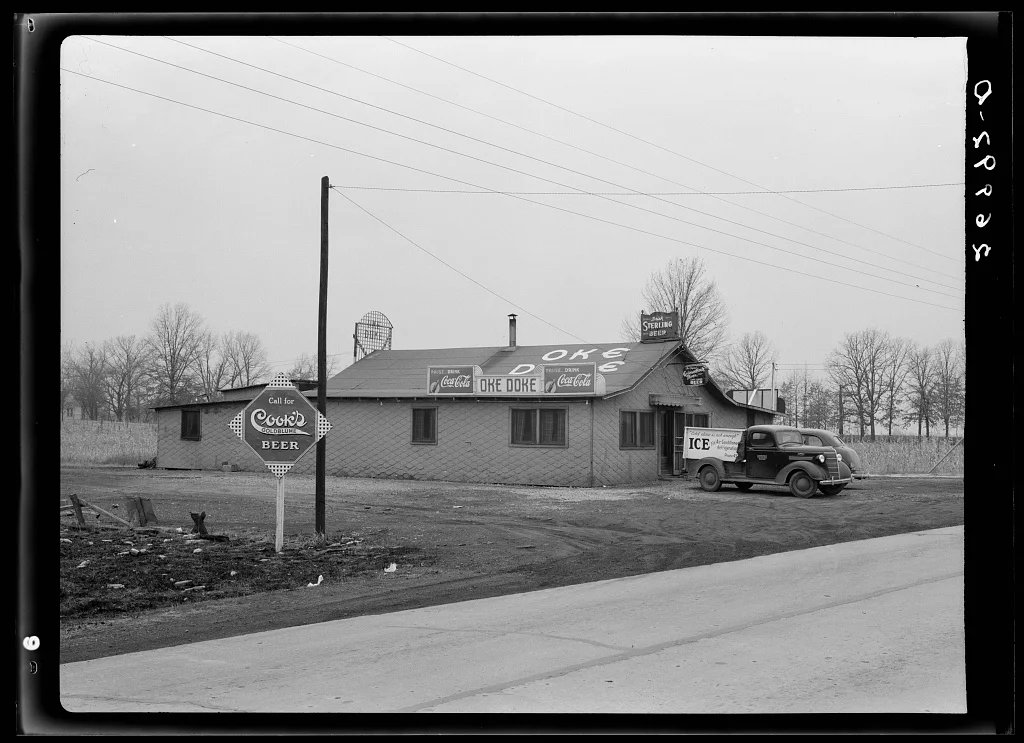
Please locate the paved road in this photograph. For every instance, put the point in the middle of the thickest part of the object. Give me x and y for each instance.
(869, 626)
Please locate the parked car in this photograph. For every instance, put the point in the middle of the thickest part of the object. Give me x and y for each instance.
(820, 437)
(777, 455)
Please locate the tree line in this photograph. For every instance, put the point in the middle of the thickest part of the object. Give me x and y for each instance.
(872, 380)
(178, 361)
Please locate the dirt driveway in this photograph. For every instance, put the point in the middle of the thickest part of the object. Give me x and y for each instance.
(463, 541)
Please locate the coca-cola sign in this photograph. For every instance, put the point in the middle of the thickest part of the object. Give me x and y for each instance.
(570, 379)
(659, 326)
(451, 380)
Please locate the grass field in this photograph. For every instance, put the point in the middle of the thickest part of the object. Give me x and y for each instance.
(106, 442)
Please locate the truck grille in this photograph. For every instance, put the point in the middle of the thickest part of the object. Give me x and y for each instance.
(832, 464)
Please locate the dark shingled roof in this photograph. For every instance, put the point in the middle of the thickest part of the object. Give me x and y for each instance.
(404, 373)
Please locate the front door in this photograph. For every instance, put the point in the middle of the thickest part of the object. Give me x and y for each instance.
(668, 438)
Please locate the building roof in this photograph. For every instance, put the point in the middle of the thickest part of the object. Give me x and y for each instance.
(403, 373)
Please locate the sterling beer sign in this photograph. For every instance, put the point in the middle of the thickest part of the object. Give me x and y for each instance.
(280, 425)
(451, 380)
(659, 326)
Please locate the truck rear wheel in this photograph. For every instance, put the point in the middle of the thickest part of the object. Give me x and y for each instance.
(709, 479)
(801, 485)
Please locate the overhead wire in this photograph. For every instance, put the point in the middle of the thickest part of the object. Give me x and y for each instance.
(531, 175)
(660, 147)
(539, 203)
(623, 164)
(648, 193)
(453, 268)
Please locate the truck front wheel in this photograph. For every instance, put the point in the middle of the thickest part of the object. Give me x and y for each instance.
(802, 486)
(709, 479)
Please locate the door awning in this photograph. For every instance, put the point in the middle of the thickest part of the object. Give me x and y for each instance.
(674, 401)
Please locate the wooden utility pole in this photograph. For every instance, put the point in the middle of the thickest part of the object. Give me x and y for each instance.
(321, 364)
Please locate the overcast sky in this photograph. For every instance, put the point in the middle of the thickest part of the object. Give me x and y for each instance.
(163, 203)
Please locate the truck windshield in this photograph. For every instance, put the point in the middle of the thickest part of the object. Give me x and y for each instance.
(788, 438)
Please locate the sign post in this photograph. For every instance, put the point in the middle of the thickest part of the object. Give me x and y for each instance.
(280, 425)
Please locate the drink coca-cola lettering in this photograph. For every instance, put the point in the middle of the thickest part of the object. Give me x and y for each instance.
(574, 380)
(458, 381)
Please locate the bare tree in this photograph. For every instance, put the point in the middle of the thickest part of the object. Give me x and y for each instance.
(211, 366)
(920, 387)
(67, 350)
(306, 367)
(127, 362)
(949, 382)
(858, 365)
(246, 357)
(895, 378)
(88, 371)
(684, 285)
(174, 342)
(746, 365)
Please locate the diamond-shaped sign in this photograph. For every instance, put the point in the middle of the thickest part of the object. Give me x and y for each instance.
(280, 425)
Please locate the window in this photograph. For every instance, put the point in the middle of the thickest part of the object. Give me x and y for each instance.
(761, 440)
(698, 420)
(424, 425)
(636, 429)
(190, 425)
(538, 426)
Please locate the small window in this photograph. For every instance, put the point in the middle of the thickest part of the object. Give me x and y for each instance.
(190, 425)
(538, 427)
(636, 429)
(424, 425)
(698, 420)
(761, 440)
(812, 441)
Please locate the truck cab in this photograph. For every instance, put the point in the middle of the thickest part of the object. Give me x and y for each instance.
(776, 455)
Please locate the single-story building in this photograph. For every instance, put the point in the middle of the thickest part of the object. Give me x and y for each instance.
(569, 415)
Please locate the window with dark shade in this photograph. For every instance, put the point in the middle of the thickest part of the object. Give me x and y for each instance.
(424, 425)
(538, 427)
(698, 420)
(636, 429)
(190, 425)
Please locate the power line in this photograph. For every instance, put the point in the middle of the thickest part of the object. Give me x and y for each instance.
(627, 165)
(453, 268)
(531, 201)
(660, 147)
(521, 172)
(648, 193)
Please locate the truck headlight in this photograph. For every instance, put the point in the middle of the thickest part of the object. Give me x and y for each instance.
(821, 458)
(839, 456)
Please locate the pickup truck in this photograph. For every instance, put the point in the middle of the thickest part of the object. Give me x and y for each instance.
(777, 455)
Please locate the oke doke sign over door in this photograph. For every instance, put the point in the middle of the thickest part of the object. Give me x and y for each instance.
(549, 379)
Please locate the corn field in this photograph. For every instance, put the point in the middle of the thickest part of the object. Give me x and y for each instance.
(106, 442)
(907, 455)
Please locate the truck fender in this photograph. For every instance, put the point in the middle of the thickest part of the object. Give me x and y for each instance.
(713, 462)
(815, 471)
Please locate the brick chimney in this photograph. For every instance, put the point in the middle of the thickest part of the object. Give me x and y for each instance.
(511, 332)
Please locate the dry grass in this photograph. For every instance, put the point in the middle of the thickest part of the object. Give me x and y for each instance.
(910, 457)
(106, 442)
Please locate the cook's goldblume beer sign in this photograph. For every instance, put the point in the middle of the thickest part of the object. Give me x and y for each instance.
(280, 425)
